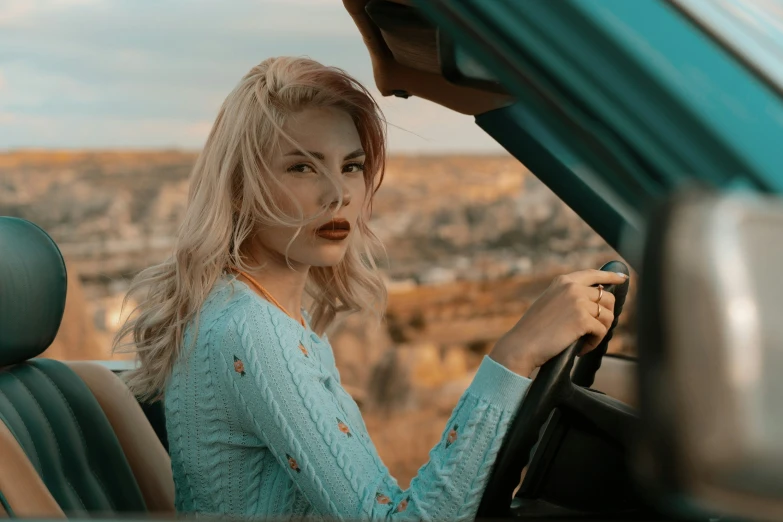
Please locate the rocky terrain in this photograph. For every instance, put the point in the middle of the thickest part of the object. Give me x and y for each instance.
(471, 241)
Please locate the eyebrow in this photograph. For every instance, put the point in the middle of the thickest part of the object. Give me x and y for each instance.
(318, 155)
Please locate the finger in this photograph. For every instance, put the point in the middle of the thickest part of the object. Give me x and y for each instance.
(595, 334)
(591, 344)
(599, 312)
(591, 293)
(598, 277)
(605, 316)
(608, 300)
(597, 295)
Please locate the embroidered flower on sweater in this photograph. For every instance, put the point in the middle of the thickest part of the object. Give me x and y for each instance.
(344, 428)
(292, 463)
(380, 498)
(304, 350)
(239, 366)
(451, 438)
(402, 506)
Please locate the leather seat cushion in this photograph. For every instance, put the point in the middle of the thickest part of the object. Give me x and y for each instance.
(68, 439)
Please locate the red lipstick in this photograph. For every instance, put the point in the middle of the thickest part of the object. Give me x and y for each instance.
(335, 230)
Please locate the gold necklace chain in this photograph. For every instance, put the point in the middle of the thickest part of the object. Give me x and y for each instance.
(269, 297)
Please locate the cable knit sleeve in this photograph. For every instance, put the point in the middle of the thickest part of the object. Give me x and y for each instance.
(284, 396)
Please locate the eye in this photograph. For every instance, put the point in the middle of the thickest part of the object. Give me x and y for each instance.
(300, 168)
(353, 168)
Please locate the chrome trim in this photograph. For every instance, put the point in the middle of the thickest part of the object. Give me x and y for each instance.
(118, 365)
(745, 39)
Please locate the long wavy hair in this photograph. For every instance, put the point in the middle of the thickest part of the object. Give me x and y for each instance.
(229, 201)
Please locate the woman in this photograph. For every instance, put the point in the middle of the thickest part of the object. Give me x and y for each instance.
(257, 420)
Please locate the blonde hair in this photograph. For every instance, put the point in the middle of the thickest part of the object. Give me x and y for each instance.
(229, 198)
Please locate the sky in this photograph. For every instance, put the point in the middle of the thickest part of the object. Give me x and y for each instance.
(152, 74)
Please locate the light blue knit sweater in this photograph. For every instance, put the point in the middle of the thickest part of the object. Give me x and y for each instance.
(259, 425)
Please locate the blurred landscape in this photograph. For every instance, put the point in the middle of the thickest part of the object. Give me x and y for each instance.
(471, 242)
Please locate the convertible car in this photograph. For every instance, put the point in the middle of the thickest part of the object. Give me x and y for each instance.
(660, 122)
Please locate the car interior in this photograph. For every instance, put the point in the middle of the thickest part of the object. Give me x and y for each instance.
(597, 438)
(73, 439)
(76, 443)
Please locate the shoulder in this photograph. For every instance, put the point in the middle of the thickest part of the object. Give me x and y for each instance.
(226, 304)
(223, 300)
(247, 321)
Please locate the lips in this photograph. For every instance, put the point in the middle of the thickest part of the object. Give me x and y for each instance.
(335, 230)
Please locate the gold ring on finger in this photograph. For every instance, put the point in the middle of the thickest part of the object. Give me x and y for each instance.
(599, 311)
(600, 293)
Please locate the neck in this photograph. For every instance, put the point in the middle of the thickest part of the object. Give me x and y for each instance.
(283, 283)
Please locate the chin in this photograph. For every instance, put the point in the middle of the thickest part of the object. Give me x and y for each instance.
(327, 255)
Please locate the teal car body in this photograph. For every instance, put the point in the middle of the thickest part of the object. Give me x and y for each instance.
(619, 103)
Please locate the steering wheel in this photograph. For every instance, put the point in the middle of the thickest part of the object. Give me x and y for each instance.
(553, 386)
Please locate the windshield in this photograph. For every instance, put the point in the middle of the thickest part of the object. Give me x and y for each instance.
(753, 29)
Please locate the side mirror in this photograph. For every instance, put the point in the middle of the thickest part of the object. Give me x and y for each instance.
(711, 356)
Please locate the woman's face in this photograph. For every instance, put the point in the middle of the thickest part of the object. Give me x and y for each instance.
(330, 135)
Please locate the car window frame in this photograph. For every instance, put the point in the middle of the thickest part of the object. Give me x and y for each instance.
(598, 62)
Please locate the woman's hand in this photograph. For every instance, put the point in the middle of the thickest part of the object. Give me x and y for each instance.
(566, 311)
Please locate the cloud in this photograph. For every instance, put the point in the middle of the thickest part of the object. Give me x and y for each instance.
(91, 73)
(22, 12)
(13, 11)
(30, 87)
(74, 131)
(166, 56)
(443, 131)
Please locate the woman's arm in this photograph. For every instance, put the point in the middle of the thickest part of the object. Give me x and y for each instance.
(280, 391)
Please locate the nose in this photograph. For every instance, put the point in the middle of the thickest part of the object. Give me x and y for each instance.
(335, 196)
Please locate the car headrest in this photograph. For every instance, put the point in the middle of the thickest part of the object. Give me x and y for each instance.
(33, 284)
(710, 327)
